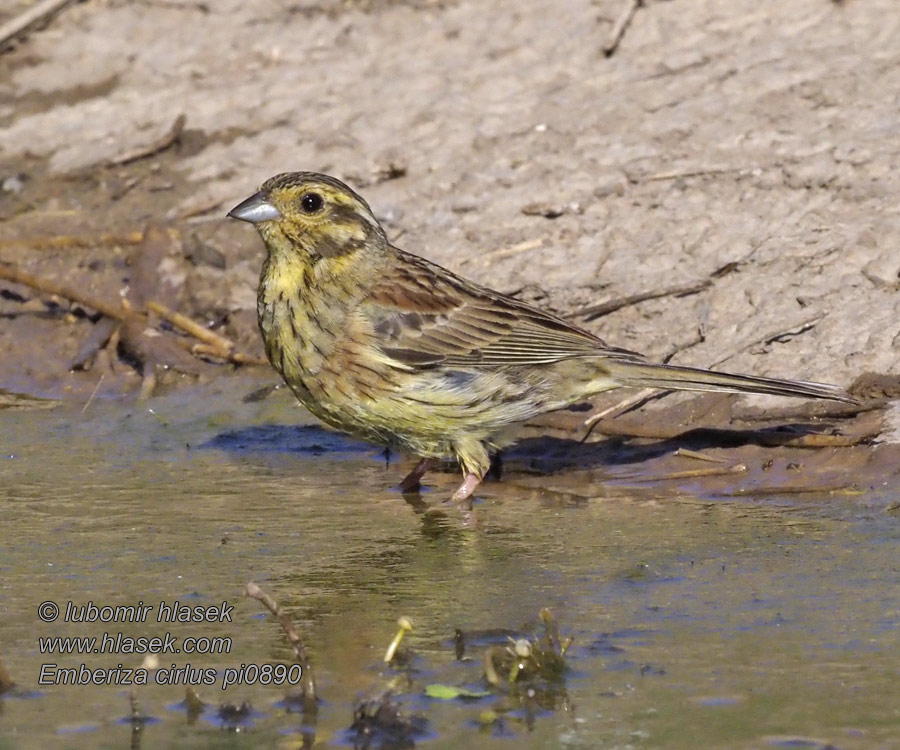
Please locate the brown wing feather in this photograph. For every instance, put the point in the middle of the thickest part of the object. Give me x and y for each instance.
(423, 316)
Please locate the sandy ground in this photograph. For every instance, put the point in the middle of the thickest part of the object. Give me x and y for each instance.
(752, 144)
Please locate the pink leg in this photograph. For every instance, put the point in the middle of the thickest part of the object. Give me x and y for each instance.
(466, 488)
(411, 482)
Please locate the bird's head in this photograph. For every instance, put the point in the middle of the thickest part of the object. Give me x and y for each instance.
(306, 212)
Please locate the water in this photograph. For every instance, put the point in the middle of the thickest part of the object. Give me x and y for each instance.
(697, 623)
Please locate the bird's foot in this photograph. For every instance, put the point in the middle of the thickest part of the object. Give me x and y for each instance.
(412, 481)
(463, 495)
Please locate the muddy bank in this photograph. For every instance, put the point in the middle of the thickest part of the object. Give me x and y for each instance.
(751, 151)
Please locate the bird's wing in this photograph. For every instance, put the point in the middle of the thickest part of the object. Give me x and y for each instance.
(423, 316)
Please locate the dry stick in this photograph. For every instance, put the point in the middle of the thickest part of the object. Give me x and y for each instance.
(238, 358)
(813, 440)
(93, 393)
(42, 11)
(787, 490)
(507, 252)
(148, 382)
(626, 404)
(768, 338)
(689, 474)
(55, 241)
(591, 312)
(123, 314)
(841, 411)
(154, 147)
(698, 172)
(192, 327)
(309, 683)
(9, 273)
(622, 22)
(809, 440)
(688, 453)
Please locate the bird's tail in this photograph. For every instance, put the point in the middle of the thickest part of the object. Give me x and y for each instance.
(673, 377)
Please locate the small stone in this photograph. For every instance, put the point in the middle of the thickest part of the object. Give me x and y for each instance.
(883, 271)
(203, 254)
(14, 184)
(610, 184)
(547, 210)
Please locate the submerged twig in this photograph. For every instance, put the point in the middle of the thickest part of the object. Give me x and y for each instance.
(308, 683)
(93, 394)
(138, 720)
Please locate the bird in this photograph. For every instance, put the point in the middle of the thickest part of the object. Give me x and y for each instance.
(389, 347)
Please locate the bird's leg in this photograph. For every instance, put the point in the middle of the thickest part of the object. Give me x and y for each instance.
(411, 482)
(466, 488)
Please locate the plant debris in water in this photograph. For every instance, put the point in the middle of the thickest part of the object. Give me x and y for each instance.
(380, 723)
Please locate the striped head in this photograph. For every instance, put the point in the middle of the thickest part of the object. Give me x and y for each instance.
(312, 214)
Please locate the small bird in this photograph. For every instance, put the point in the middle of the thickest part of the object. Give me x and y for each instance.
(385, 345)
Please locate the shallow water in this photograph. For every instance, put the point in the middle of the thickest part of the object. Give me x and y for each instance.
(696, 623)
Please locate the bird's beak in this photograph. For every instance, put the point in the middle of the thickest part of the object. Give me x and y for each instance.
(255, 209)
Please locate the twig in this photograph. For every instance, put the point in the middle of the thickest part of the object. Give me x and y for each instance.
(689, 474)
(768, 338)
(148, 381)
(813, 440)
(818, 410)
(42, 11)
(100, 335)
(93, 393)
(221, 347)
(237, 358)
(55, 241)
(626, 404)
(308, 681)
(192, 327)
(698, 338)
(138, 720)
(679, 174)
(506, 252)
(843, 489)
(620, 26)
(688, 453)
(592, 312)
(154, 147)
(727, 436)
(8, 273)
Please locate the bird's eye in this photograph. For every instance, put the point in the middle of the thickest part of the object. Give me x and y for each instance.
(311, 202)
